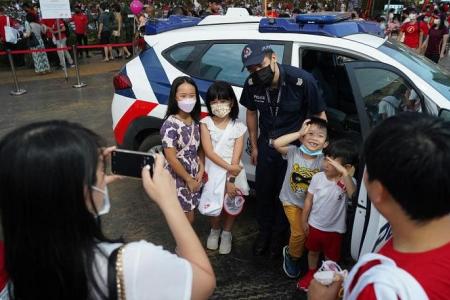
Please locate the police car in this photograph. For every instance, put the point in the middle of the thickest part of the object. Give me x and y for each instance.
(363, 76)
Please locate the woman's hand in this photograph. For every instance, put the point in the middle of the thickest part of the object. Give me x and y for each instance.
(161, 187)
(106, 153)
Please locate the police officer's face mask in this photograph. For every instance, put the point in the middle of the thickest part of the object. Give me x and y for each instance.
(264, 76)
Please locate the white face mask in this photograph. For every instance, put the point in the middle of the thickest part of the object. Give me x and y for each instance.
(106, 202)
(221, 110)
(187, 104)
(412, 17)
(437, 22)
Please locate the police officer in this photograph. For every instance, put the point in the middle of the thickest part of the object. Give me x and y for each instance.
(284, 96)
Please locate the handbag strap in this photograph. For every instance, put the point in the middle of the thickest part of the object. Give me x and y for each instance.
(116, 287)
(7, 21)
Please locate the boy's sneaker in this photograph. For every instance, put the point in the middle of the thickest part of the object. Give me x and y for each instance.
(304, 282)
(213, 239)
(225, 242)
(291, 267)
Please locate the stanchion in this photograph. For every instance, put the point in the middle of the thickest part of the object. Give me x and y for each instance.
(18, 90)
(77, 69)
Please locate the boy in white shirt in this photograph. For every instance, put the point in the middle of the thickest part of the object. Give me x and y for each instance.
(326, 204)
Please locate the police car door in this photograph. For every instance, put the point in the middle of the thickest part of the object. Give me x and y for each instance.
(379, 91)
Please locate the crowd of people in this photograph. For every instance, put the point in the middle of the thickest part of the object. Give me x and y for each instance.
(54, 188)
(426, 32)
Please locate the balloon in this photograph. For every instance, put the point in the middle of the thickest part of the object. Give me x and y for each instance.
(136, 6)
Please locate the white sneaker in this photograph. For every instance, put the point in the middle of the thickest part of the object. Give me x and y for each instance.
(213, 239)
(225, 242)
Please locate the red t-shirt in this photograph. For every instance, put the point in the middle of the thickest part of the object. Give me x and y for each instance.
(412, 33)
(3, 23)
(430, 269)
(81, 22)
(62, 27)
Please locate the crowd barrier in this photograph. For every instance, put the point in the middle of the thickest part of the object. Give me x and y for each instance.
(79, 84)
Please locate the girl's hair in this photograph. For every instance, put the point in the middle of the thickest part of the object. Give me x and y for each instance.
(172, 106)
(47, 170)
(222, 90)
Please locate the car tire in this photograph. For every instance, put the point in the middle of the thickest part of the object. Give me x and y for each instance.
(151, 143)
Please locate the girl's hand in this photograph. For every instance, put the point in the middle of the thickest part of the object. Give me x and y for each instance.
(234, 170)
(193, 185)
(199, 177)
(340, 168)
(231, 189)
(161, 187)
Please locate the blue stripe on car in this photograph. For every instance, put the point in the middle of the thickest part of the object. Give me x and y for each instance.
(156, 75)
(203, 86)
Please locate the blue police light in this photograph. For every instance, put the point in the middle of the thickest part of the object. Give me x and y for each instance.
(173, 22)
(327, 24)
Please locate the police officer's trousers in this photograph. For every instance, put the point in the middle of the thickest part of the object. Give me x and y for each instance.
(270, 172)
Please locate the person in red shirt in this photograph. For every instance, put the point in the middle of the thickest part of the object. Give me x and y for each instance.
(413, 32)
(407, 180)
(60, 41)
(81, 26)
(4, 22)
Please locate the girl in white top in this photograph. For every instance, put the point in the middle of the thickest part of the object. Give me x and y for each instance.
(54, 188)
(222, 139)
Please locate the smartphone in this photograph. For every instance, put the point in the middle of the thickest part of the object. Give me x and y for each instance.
(130, 163)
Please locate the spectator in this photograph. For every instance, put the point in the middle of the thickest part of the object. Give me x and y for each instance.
(119, 32)
(60, 40)
(104, 30)
(412, 32)
(40, 59)
(53, 189)
(3, 22)
(81, 26)
(436, 41)
(417, 147)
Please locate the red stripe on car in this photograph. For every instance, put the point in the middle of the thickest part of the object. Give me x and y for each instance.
(138, 109)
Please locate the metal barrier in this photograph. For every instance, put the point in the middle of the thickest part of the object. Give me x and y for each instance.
(79, 84)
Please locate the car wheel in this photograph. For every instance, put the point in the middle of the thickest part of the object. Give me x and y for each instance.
(151, 144)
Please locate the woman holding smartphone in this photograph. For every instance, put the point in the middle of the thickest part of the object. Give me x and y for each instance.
(53, 187)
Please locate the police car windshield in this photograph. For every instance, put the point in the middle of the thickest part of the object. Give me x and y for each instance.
(432, 73)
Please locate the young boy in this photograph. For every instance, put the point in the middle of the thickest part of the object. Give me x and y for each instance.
(302, 163)
(407, 179)
(326, 204)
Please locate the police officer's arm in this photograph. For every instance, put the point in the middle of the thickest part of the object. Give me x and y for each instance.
(213, 156)
(315, 98)
(252, 120)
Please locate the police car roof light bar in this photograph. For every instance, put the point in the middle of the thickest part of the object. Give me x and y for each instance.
(333, 29)
(330, 17)
(156, 26)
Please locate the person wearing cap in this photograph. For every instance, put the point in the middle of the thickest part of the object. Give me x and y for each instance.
(284, 96)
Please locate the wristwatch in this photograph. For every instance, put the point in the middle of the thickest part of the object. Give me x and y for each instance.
(231, 179)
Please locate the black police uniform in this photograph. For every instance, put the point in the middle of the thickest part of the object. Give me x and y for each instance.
(281, 111)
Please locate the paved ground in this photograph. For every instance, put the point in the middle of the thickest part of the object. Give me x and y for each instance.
(133, 216)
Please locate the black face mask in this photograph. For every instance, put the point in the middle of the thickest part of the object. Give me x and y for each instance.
(263, 77)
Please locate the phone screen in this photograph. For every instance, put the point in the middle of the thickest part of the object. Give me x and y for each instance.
(130, 163)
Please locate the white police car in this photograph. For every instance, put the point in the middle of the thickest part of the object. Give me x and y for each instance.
(354, 64)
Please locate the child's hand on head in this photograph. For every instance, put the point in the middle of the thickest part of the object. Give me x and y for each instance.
(305, 128)
(340, 168)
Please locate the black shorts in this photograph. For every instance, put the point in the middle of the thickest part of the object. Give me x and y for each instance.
(105, 37)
